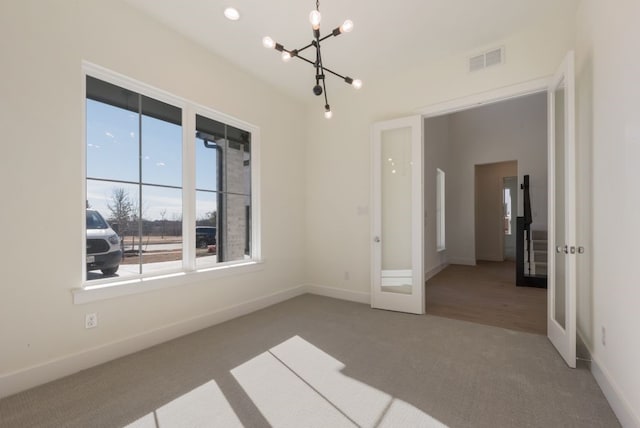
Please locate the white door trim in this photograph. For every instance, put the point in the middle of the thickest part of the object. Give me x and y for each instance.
(484, 98)
(494, 96)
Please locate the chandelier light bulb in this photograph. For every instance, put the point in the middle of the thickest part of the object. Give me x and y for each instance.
(286, 56)
(268, 42)
(232, 14)
(328, 114)
(346, 26)
(314, 18)
(357, 83)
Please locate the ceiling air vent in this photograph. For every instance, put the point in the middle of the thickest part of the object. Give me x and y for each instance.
(486, 59)
(476, 63)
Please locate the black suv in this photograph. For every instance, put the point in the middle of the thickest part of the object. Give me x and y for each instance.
(205, 236)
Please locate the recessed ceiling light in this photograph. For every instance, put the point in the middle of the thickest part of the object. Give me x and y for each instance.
(232, 13)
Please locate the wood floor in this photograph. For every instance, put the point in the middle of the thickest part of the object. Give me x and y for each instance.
(487, 294)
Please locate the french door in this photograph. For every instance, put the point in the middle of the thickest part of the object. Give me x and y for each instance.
(561, 292)
(397, 216)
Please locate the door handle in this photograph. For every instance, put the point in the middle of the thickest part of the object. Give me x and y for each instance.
(376, 239)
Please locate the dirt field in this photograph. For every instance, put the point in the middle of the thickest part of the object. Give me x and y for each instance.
(150, 255)
(151, 240)
(162, 256)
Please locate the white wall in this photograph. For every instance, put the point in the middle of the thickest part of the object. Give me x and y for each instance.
(42, 44)
(608, 98)
(338, 174)
(515, 129)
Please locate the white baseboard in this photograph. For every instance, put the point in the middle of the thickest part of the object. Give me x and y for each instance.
(339, 293)
(23, 379)
(462, 261)
(583, 350)
(627, 417)
(436, 270)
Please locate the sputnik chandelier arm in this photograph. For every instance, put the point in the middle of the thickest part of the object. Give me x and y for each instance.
(320, 86)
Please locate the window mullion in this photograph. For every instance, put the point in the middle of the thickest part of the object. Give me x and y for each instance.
(188, 189)
(140, 231)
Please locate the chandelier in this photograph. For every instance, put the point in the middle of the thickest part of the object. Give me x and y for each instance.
(320, 86)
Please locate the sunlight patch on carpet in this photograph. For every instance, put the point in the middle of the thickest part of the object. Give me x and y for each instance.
(204, 406)
(296, 381)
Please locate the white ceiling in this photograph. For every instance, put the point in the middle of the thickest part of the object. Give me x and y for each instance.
(388, 36)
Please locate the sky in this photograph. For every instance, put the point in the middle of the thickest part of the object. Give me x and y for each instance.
(113, 153)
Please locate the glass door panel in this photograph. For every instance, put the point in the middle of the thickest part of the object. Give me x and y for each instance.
(397, 271)
(559, 221)
(396, 275)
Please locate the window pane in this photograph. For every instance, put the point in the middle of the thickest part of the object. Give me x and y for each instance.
(236, 231)
(207, 164)
(115, 203)
(223, 177)
(112, 142)
(440, 209)
(161, 143)
(206, 227)
(238, 161)
(209, 146)
(160, 247)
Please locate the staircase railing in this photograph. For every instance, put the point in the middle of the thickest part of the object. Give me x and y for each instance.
(524, 277)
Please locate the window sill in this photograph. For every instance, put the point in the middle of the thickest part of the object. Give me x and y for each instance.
(112, 290)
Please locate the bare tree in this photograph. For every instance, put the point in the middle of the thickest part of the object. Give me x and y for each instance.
(176, 222)
(163, 216)
(121, 208)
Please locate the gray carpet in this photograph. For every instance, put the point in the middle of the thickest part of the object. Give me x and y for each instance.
(315, 361)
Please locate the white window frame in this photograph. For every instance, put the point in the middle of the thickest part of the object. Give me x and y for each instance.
(440, 210)
(98, 289)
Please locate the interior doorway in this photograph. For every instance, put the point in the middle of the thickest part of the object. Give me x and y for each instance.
(510, 204)
(494, 236)
(485, 152)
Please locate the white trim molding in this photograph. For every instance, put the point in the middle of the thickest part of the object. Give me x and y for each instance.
(462, 261)
(339, 293)
(14, 382)
(142, 285)
(484, 98)
(626, 414)
(436, 270)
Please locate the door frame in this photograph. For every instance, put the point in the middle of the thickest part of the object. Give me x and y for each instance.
(494, 96)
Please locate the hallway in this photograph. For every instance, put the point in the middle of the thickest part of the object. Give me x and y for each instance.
(486, 294)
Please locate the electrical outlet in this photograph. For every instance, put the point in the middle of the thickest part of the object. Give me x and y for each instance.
(604, 336)
(90, 320)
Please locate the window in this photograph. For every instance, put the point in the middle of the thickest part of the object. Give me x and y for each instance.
(134, 179)
(145, 216)
(440, 216)
(506, 204)
(223, 191)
